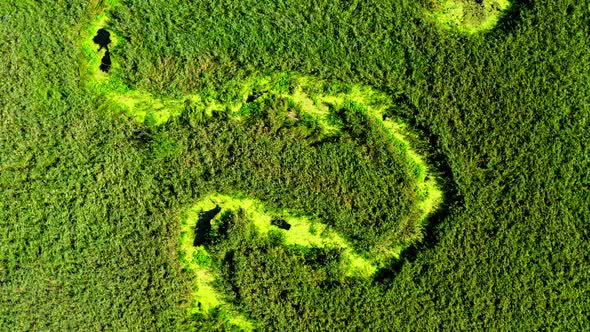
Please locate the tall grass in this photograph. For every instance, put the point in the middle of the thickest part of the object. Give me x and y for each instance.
(90, 202)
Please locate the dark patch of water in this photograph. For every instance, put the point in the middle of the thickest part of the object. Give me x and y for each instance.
(105, 64)
(203, 227)
(281, 223)
(254, 95)
(103, 39)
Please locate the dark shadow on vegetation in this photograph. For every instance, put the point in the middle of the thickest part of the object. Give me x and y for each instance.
(431, 238)
(142, 136)
(230, 262)
(281, 223)
(203, 227)
(105, 64)
(317, 258)
(452, 197)
(225, 221)
(103, 39)
(255, 95)
(511, 17)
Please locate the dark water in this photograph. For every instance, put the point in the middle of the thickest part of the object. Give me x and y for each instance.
(103, 39)
(105, 64)
(203, 227)
(254, 95)
(281, 223)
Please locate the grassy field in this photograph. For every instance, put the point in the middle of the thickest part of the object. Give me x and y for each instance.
(101, 173)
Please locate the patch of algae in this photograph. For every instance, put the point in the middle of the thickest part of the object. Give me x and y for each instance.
(469, 16)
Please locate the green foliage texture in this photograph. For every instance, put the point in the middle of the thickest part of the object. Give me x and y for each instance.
(91, 201)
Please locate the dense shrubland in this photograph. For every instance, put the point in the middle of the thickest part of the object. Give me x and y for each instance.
(90, 203)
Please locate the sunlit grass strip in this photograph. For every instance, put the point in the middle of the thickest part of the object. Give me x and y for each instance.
(140, 105)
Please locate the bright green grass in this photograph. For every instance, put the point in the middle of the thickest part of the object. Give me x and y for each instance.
(468, 16)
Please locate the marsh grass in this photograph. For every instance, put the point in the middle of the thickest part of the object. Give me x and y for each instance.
(90, 199)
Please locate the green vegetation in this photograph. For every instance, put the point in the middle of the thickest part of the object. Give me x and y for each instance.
(467, 15)
(98, 173)
(198, 262)
(304, 234)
